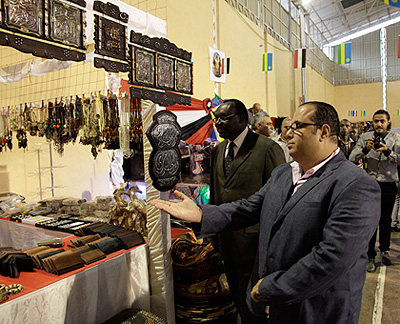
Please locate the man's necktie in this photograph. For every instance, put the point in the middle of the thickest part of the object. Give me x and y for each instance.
(229, 158)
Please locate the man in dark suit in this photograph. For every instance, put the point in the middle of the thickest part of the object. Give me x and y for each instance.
(317, 215)
(346, 143)
(254, 158)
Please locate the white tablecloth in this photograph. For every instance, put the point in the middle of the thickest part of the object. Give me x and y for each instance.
(91, 296)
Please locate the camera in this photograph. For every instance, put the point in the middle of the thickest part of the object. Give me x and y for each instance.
(377, 141)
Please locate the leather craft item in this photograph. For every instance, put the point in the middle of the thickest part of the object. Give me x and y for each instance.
(36, 249)
(43, 256)
(36, 261)
(130, 239)
(92, 256)
(12, 262)
(3, 293)
(80, 241)
(65, 262)
(109, 245)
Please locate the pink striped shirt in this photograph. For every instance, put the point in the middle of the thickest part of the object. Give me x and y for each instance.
(297, 172)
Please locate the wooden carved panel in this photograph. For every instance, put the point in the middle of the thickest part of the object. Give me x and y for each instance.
(184, 77)
(165, 75)
(25, 16)
(66, 24)
(162, 45)
(37, 48)
(143, 67)
(81, 3)
(110, 38)
(165, 160)
(111, 66)
(111, 10)
(159, 97)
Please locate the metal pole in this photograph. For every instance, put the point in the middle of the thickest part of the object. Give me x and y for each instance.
(40, 175)
(303, 45)
(384, 67)
(51, 170)
(215, 39)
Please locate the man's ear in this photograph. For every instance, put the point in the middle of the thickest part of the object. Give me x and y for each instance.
(325, 131)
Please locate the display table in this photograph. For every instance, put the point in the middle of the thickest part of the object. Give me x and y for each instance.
(91, 294)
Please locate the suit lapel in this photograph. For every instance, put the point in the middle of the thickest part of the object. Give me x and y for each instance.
(314, 180)
(244, 152)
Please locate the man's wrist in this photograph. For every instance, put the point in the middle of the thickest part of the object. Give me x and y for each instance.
(365, 150)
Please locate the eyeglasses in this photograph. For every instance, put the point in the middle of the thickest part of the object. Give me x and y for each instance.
(223, 118)
(298, 125)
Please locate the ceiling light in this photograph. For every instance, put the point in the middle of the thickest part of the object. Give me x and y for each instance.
(364, 32)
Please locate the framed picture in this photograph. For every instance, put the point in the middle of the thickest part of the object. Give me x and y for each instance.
(143, 67)
(183, 77)
(165, 75)
(110, 38)
(66, 24)
(24, 16)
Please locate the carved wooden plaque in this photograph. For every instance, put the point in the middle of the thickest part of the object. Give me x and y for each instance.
(24, 15)
(111, 10)
(110, 38)
(66, 24)
(165, 160)
(165, 75)
(143, 67)
(159, 97)
(183, 77)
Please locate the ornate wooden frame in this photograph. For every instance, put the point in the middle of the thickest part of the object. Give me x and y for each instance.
(162, 98)
(183, 77)
(162, 45)
(111, 10)
(110, 38)
(165, 72)
(143, 67)
(66, 24)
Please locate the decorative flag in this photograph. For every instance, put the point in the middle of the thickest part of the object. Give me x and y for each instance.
(393, 3)
(362, 113)
(300, 58)
(217, 65)
(267, 62)
(344, 53)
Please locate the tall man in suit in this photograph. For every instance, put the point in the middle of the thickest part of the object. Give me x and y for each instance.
(317, 215)
(252, 161)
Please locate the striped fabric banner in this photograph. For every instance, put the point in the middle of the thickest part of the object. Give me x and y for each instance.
(300, 58)
(344, 53)
(393, 3)
(267, 62)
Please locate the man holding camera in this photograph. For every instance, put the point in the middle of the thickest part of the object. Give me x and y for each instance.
(380, 151)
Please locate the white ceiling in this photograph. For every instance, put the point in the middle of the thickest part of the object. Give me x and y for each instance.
(339, 18)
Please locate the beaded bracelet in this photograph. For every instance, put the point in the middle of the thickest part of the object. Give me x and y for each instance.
(14, 289)
(3, 293)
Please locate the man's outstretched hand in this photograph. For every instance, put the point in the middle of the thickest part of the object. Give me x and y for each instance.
(186, 209)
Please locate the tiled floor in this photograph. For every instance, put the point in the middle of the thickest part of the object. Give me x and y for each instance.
(381, 297)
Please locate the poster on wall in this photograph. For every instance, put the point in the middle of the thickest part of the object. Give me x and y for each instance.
(217, 65)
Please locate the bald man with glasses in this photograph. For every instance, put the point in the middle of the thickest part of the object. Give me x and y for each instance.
(317, 215)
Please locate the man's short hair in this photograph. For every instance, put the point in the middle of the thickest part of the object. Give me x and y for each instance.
(240, 108)
(325, 114)
(345, 120)
(383, 112)
(259, 119)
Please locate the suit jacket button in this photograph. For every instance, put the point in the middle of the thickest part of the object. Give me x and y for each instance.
(226, 189)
